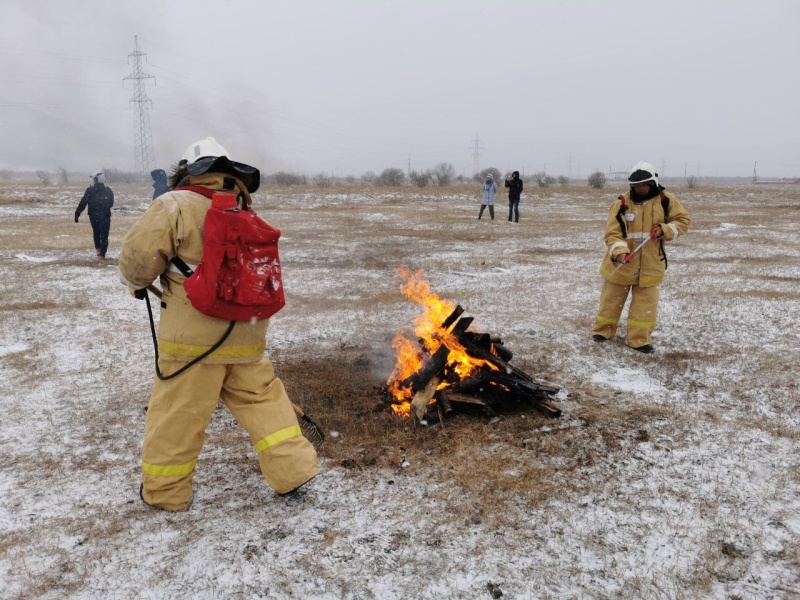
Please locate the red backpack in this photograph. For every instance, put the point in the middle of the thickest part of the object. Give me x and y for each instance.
(239, 276)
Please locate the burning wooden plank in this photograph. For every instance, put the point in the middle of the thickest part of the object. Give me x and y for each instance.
(421, 400)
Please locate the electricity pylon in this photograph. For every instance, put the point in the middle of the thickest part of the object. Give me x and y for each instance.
(476, 155)
(143, 153)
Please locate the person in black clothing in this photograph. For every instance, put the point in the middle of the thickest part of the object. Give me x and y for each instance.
(514, 185)
(160, 185)
(99, 199)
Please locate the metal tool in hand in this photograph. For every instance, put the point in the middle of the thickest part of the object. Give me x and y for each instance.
(635, 250)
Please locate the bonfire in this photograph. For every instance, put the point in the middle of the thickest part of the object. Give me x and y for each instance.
(450, 366)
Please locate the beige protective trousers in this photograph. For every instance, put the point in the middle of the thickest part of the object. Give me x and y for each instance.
(180, 409)
(641, 313)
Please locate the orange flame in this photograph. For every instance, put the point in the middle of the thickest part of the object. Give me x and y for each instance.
(428, 329)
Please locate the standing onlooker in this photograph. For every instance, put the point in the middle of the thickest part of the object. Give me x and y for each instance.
(489, 192)
(99, 199)
(640, 220)
(160, 185)
(514, 185)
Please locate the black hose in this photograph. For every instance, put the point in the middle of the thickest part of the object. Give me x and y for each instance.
(189, 364)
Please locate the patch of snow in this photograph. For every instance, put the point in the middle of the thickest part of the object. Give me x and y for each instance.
(628, 380)
(6, 349)
(37, 259)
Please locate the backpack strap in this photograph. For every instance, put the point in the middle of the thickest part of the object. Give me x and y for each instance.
(661, 250)
(623, 208)
(204, 191)
(179, 263)
(197, 189)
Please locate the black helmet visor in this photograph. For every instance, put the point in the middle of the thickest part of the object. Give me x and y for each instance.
(249, 176)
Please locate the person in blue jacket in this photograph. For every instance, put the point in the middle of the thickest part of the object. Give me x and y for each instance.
(160, 185)
(99, 199)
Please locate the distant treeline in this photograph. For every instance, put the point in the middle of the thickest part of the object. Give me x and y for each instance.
(441, 175)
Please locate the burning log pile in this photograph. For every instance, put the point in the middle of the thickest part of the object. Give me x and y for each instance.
(452, 367)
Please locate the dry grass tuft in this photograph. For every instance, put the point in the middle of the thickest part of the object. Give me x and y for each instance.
(33, 305)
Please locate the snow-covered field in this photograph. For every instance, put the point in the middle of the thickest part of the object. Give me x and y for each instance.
(673, 475)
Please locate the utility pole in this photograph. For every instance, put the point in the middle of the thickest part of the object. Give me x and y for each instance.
(569, 167)
(409, 166)
(143, 153)
(476, 154)
(755, 175)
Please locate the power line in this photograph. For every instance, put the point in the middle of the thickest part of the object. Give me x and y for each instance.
(6, 103)
(37, 80)
(42, 53)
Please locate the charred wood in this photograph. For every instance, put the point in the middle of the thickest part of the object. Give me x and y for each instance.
(430, 367)
(457, 312)
(476, 351)
(501, 351)
(450, 397)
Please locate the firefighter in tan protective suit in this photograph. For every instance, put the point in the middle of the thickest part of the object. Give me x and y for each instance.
(639, 222)
(237, 372)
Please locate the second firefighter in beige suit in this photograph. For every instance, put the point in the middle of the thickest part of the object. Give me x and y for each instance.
(646, 212)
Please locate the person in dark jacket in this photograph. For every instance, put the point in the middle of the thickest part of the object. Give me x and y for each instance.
(514, 185)
(160, 185)
(99, 199)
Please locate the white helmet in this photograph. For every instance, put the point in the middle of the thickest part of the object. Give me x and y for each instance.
(205, 148)
(643, 172)
(98, 178)
(208, 155)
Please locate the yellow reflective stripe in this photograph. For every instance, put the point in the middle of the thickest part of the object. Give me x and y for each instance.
(617, 277)
(244, 351)
(606, 321)
(646, 281)
(276, 438)
(624, 278)
(168, 470)
(642, 324)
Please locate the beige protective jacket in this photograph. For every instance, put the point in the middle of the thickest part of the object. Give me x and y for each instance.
(646, 268)
(173, 226)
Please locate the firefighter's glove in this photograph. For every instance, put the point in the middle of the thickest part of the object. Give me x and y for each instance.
(139, 294)
(624, 258)
(76, 219)
(656, 232)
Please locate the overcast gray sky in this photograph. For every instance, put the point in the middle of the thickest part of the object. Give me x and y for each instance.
(707, 87)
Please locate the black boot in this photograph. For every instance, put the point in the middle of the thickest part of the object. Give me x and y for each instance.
(646, 349)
